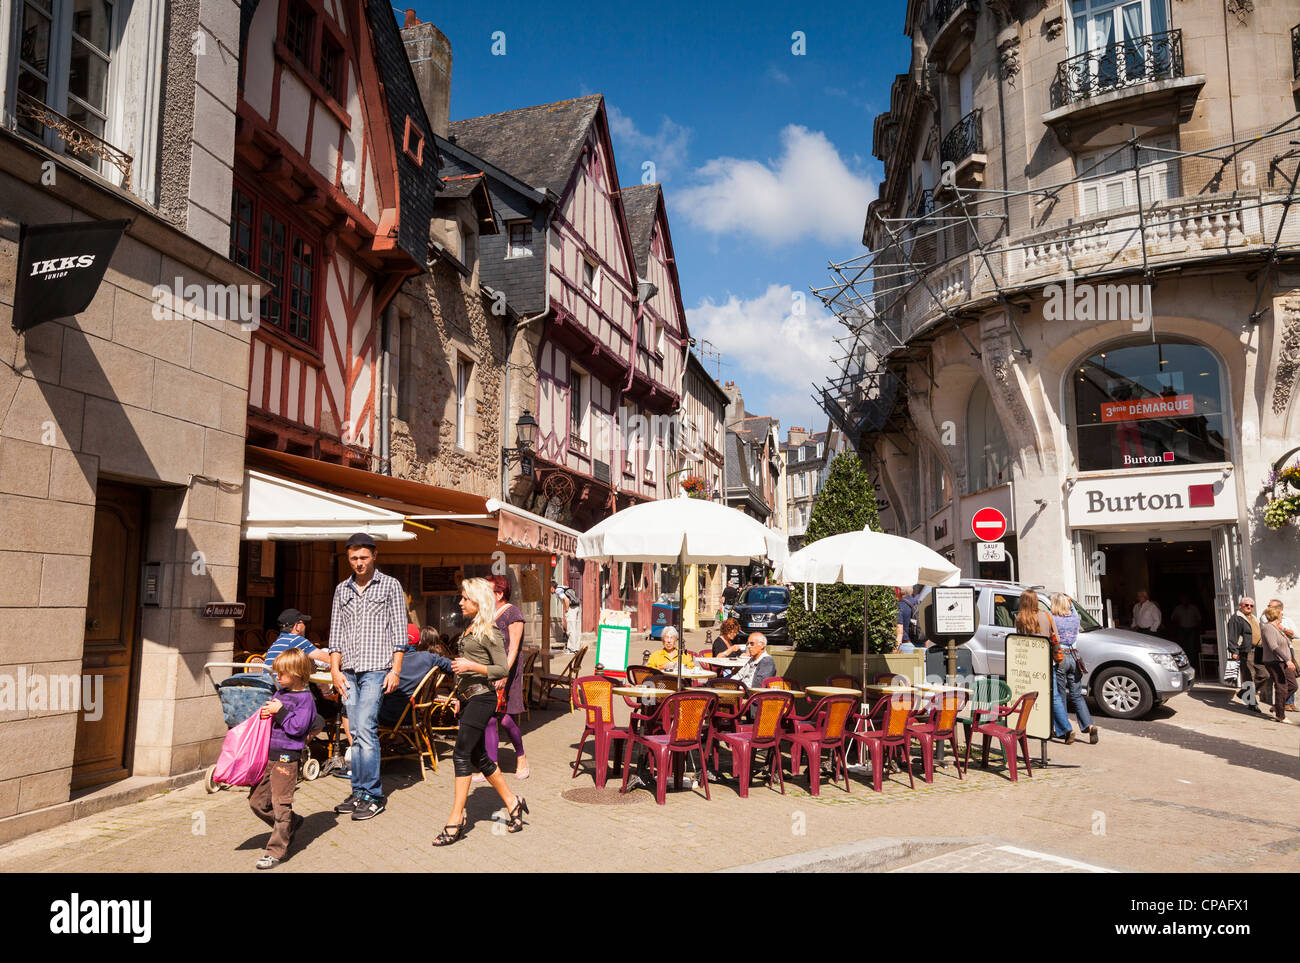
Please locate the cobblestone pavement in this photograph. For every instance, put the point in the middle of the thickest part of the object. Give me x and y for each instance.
(1129, 803)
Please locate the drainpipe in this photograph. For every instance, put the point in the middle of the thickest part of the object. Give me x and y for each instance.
(385, 425)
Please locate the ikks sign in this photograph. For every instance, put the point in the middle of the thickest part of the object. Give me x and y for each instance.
(60, 267)
(1157, 497)
(1176, 406)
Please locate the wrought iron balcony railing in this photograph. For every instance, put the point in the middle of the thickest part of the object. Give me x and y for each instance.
(965, 138)
(88, 148)
(1295, 51)
(944, 10)
(1139, 60)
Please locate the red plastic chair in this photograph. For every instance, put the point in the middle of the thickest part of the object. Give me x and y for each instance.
(684, 717)
(779, 682)
(941, 726)
(889, 719)
(830, 729)
(594, 695)
(1009, 736)
(770, 708)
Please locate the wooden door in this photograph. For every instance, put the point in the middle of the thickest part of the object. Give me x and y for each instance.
(102, 751)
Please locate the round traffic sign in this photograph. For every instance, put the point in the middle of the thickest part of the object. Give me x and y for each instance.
(989, 524)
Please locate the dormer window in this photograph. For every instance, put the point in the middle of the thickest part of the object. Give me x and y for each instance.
(521, 239)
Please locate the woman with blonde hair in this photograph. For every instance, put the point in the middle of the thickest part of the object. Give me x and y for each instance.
(1032, 620)
(1278, 660)
(482, 660)
(1069, 674)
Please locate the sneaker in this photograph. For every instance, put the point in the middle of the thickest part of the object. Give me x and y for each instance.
(350, 804)
(267, 862)
(368, 807)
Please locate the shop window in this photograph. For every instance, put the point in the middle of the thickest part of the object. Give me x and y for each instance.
(988, 456)
(1145, 405)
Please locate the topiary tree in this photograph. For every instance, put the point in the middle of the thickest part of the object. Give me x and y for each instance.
(847, 503)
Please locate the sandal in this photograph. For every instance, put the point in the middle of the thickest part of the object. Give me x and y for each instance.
(446, 838)
(515, 818)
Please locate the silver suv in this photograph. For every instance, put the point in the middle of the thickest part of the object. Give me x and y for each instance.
(1129, 673)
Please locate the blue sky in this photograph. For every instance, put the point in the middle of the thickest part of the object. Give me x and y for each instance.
(763, 149)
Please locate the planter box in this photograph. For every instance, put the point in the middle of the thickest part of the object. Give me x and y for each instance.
(812, 668)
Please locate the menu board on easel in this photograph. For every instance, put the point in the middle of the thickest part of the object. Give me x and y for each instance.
(612, 644)
(1029, 669)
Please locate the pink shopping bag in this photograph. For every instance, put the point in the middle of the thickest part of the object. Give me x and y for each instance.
(243, 754)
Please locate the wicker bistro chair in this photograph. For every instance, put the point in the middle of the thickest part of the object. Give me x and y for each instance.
(830, 730)
(843, 681)
(889, 729)
(409, 736)
(440, 719)
(564, 678)
(769, 708)
(779, 682)
(637, 674)
(684, 716)
(940, 727)
(594, 694)
(529, 670)
(1010, 737)
(724, 721)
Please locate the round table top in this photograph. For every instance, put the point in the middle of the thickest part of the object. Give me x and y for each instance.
(941, 687)
(731, 663)
(830, 690)
(890, 689)
(642, 692)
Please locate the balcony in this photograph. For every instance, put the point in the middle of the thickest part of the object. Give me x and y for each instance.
(953, 27)
(1135, 83)
(963, 148)
(35, 117)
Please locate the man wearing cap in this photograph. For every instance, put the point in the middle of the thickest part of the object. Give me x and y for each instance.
(367, 641)
(292, 626)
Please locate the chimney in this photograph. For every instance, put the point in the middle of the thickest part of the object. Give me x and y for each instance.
(796, 436)
(429, 51)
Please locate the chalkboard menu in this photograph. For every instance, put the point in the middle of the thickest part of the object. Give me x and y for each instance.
(1029, 669)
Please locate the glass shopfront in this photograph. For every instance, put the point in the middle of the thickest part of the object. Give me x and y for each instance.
(1149, 404)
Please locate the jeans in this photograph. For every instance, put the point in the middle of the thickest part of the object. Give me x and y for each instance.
(365, 692)
(1070, 679)
(1060, 721)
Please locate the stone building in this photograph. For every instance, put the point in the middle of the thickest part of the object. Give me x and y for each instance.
(704, 411)
(1088, 299)
(122, 427)
(807, 460)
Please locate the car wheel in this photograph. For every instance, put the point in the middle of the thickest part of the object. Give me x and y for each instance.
(1123, 693)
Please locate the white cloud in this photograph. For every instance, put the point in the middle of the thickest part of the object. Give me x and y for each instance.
(765, 336)
(808, 192)
(666, 148)
(776, 73)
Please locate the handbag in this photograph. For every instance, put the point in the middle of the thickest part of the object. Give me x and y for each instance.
(244, 752)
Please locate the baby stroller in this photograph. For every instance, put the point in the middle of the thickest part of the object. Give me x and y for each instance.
(242, 694)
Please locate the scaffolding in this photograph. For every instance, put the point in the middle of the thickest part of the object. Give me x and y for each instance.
(1142, 209)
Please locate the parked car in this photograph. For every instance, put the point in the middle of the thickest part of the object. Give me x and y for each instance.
(1129, 673)
(763, 608)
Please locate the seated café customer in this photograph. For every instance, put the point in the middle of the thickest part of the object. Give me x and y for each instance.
(759, 667)
(669, 654)
(728, 641)
(420, 657)
(292, 625)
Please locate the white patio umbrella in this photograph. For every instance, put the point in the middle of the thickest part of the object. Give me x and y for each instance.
(868, 558)
(684, 531)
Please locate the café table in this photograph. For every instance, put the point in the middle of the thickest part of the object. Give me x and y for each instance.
(721, 663)
(820, 691)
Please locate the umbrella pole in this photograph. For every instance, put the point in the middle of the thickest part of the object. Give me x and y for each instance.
(866, 631)
(681, 614)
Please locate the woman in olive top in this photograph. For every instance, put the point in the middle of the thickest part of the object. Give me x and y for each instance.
(482, 660)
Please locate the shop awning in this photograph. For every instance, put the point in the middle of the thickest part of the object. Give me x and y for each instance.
(279, 510)
(525, 530)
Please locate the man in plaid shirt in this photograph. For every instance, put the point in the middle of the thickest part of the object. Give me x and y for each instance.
(367, 639)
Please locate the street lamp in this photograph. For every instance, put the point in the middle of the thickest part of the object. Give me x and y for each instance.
(525, 436)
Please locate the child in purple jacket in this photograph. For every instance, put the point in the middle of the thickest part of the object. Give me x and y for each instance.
(294, 710)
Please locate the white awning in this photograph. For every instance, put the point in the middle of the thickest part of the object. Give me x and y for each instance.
(279, 510)
(523, 529)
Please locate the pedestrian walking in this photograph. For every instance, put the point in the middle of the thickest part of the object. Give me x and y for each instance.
(510, 621)
(1069, 673)
(291, 712)
(1032, 620)
(1244, 641)
(1289, 630)
(1278, 660)
(367, 642)
(482, 661)
(1146, 614)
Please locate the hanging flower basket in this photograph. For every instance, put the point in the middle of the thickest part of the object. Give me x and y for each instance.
(1282, 496)
(695, 486)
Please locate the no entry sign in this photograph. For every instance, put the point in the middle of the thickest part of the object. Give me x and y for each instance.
(989, 524)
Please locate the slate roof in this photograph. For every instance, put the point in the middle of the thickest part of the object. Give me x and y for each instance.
(461, 185)
(639, 204)
(417, 185)
(539, 145)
